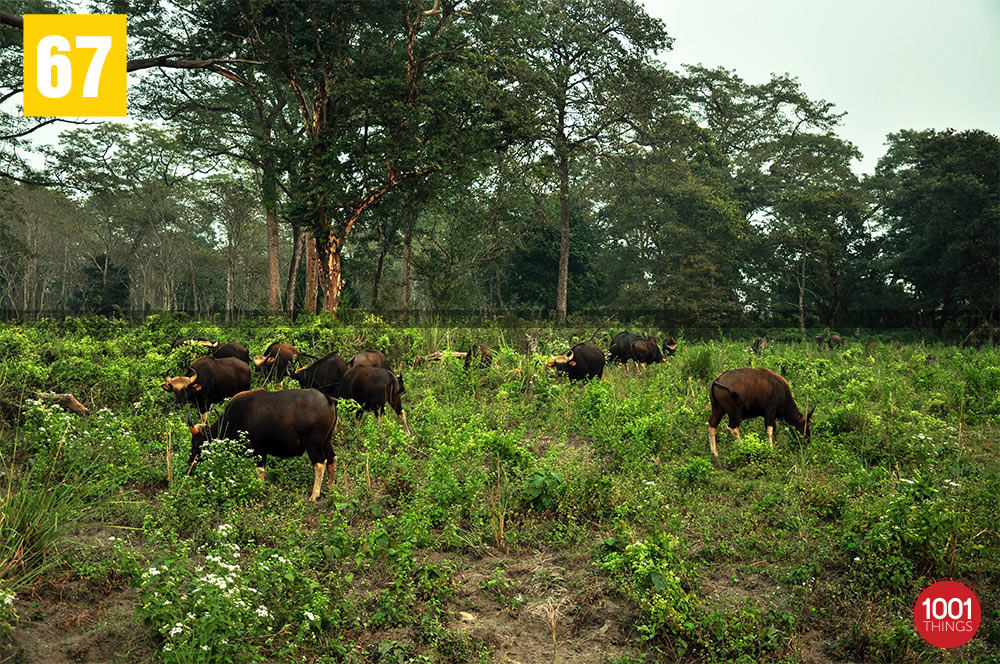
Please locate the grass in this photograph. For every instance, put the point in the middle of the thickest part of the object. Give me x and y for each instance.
(522, 500)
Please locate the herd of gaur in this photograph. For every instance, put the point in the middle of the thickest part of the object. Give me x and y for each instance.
(288, 423)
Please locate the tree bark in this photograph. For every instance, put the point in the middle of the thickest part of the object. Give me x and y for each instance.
(312, 290)
(802, 295)
(563, 281)
(298, 242)
(273, 286)
(407, 248)
(329, 254)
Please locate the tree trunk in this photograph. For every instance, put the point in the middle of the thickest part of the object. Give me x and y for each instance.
(563, 239)
(802, 295)
(298, 242)
(407, 248)
(328, 251)
(273, 287)
(378, 274)
(312, 290)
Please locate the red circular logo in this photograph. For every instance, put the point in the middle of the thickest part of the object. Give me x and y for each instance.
(947, 614)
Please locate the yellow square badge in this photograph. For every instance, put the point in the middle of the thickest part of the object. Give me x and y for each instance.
(74, 65)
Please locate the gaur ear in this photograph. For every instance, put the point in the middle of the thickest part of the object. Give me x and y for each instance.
(167, 387)
(196, 387)
(572, 363)
(193, 429)
(270, 360)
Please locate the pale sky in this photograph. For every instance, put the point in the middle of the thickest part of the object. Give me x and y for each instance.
(891, 64)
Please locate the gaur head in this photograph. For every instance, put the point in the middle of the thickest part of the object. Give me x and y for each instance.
(199, 434)
(399, 379)
(669, 346)
(562, 362)
(261, 363)
(804, 424)
(183, 387)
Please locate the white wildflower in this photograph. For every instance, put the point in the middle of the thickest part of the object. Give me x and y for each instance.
(177, 629)
(857, 559)
(152, 571)
(310, 616)
(263, 612)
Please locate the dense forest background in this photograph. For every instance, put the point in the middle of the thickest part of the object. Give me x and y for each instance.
(485, 156)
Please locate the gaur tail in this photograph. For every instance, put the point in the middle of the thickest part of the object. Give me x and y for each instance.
(732, 394)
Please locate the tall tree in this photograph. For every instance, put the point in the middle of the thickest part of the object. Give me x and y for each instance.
(582, 61)
(941, 201)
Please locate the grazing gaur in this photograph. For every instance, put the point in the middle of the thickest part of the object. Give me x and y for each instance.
(209, 381)
(480, 354)
(646, 351)
(369, 358)
(373, 388)
(207, 343)
(324, 374)
(759, 345)
(232, 349)
(275, 360)
(835, 340)
(282, 424)
(669, 346)
(582, 362)
(743, 394)
(620, 349)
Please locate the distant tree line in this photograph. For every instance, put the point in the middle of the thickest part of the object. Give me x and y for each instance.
(482, 156)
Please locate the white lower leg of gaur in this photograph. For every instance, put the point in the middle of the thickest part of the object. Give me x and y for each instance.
(770, 436)
(734, 432)
(406, 427)
(711, 441)
(320, 469)
(261, 472)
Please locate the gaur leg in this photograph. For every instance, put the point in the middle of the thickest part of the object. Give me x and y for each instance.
(734, 426)
(318, 456)
(769, 420)
(713, 425)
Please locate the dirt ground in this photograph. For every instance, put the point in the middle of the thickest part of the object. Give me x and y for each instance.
(64, 620)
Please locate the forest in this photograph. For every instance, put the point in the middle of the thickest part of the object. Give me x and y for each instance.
(480, 158)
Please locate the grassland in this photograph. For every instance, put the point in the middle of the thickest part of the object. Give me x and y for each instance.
(526, 520)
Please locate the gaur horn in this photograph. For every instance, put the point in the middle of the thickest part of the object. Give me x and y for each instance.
(570, 356)
(811, 410)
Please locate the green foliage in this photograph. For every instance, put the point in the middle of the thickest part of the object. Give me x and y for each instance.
(542, 488)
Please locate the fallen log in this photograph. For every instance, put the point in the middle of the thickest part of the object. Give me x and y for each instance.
(436, 356)
(65, 401)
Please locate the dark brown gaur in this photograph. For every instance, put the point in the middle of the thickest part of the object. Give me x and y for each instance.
(324, 374)
(232, 349)
(275, 360)
(646, 351)
(284, 424)
(834, 341)
(369, 358)
(373, 388)
(583, 361)
(209, 381)
(480, 355)
(743, 394)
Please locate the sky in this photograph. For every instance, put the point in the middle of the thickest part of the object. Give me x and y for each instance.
(890, 64)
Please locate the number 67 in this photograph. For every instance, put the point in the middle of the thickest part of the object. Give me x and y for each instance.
(46, 60)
